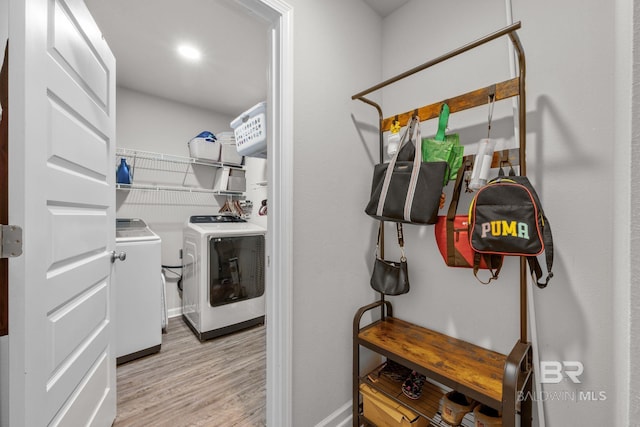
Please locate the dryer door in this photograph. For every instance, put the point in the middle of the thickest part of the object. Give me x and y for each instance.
(236, 269)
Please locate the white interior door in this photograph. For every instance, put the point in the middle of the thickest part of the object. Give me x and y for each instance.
(62, 139)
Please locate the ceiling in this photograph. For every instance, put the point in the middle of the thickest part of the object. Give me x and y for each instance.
(385, 7)
(144, 34)
(232, 75)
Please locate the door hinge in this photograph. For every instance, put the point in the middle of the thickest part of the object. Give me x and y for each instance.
(10, 241)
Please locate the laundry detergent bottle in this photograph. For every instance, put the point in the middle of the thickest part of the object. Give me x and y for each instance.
(123, 172)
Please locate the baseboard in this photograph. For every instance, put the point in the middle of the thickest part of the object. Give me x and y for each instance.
(341, 417)
(174, 312)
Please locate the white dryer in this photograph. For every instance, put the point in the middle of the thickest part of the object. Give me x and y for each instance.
(223, 279)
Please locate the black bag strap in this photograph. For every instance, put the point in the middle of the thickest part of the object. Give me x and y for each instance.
(494, 262)
(534, 265)
(400, 234)
(451, 213)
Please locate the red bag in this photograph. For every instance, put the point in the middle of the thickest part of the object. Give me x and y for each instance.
(454, 244)
(452, 236)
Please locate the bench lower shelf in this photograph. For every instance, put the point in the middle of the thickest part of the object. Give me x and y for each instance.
(490, 378)
(427, 406)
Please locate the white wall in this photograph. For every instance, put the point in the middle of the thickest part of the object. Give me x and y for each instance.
(4, 341)
(632, 303)
(570, 113)
(336, 54)
(154, 124)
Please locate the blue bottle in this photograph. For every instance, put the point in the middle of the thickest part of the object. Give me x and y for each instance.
(123, 172)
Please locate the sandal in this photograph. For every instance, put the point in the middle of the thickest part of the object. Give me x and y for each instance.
(412, 386)
(395, 371)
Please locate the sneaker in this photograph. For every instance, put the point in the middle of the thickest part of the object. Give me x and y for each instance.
(412, 386)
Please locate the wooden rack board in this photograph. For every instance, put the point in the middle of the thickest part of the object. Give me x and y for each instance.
(503, 90)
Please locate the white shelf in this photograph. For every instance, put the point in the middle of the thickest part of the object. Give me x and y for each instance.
(151, 187)
(161, 157)
(174, 164)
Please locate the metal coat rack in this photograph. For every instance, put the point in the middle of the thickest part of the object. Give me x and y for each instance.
(514, 87)
(502, 90)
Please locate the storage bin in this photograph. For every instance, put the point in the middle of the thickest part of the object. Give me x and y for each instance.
(384, 412)
(228, 150)
(229, 154)
(250, 130)
(204, 150)
(228, 179)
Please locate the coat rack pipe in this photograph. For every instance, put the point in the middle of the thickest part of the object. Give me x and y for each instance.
(506, 30)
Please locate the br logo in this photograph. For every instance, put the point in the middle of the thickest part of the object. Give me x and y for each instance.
(551, 371)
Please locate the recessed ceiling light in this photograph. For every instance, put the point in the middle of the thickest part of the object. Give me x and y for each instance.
(189, 52)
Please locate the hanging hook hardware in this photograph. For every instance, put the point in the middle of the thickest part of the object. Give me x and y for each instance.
(492, 102)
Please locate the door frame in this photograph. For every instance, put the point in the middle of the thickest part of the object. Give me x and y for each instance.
(280, 219)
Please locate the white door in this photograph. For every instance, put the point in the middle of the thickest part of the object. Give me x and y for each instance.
(62, 139)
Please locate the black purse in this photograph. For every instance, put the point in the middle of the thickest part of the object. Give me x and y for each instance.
(390, 277)
(407, 189)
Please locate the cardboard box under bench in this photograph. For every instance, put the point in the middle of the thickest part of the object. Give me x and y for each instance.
(384, 412)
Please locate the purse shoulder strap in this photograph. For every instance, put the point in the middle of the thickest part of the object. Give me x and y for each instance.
(407, 137)
(451, 213)
(401, 240)
(457, 189)
(400, 234)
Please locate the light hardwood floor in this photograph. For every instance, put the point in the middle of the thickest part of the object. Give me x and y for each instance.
(221, 382)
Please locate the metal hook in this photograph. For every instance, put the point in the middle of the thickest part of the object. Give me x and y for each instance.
(492, 102)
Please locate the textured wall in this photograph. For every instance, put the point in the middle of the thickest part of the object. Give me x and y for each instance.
(634, 301)
(336, 54)
(571, 114)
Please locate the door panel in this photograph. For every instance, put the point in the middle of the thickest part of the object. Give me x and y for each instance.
(73, 234)
(74, 143)
(70, 46)
(66, 130)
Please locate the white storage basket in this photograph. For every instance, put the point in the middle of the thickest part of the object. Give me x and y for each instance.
(228, 150)
(201, 149)
(250, 129)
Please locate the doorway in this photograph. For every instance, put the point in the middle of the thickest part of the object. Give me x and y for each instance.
(278, 16)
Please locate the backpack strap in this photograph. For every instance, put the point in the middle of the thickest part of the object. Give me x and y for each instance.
(494, 262)
(534, 265)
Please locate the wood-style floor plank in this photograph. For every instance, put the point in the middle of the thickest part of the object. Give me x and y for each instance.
(221, 382)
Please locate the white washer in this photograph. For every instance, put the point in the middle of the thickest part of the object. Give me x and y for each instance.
(223, 260)
(138, 289)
